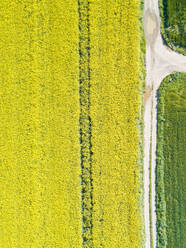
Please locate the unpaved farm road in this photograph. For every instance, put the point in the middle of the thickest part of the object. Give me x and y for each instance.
(160, 62)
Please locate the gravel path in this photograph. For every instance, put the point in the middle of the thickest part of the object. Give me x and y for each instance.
(160, 62)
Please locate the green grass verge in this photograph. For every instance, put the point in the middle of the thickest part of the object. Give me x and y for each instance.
(173, 18)
(141, 114)
(150, 185)
(171, 167)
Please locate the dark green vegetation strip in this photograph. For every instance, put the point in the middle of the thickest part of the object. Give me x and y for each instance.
(171, 162)
(85, 122)
(150, 189)
(173, 20)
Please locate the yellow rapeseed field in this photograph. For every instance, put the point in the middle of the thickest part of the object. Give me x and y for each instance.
(39, 132)
(114, 109)
(71, 75)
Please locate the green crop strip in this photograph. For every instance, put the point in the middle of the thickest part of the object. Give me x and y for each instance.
(171, 157)
(150, 184)
(85, 122)
(173, 19)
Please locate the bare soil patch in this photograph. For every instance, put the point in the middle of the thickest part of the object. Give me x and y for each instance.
(147, 93)
(151, 26)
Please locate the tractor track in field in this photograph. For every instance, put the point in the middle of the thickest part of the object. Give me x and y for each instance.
(85, 123)
(160, 62)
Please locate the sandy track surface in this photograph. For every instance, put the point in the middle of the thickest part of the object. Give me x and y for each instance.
(160, 62)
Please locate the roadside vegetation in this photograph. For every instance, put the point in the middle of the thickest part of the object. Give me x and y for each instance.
(173, 20)
(171, 162)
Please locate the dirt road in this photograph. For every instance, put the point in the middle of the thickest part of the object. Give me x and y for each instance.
(160, 62)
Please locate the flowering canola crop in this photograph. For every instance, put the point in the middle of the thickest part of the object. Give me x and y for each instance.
(71, 76)
(115, 111)
(39, 151)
